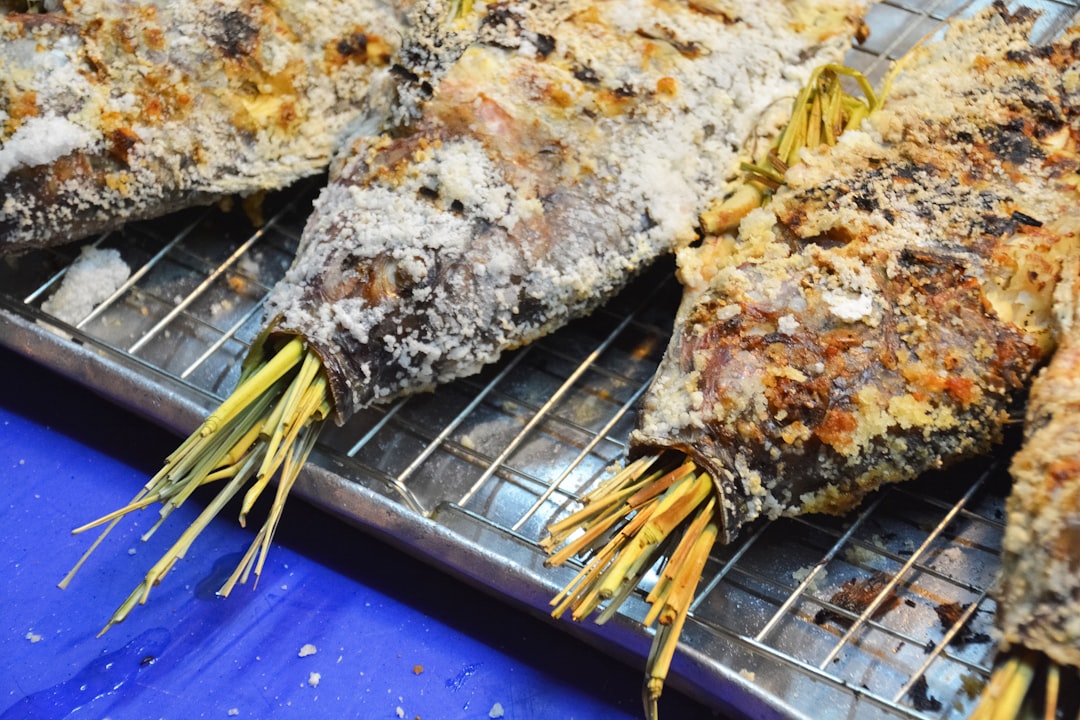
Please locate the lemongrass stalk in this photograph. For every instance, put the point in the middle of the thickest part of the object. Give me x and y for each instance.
(682, 558)
(269, 424)
(1009, 684)
(686, 581)
(658, 664)
(1053, 688)
(282, 361)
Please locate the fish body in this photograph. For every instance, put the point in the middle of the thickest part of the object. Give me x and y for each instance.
(1038, 598)
(878, 317)
(118, 111)
(543, 154)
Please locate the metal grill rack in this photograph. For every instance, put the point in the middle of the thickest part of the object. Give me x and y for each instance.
(469, 476)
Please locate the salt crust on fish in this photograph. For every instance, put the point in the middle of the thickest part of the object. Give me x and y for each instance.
(547, 152)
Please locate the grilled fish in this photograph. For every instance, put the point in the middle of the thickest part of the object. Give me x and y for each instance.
(878, 316)
(1038, 603)
(117, 111)
(874, 319)
(545, 153)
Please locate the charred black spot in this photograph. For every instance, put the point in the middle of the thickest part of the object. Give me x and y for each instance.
(530, 307)
(501, 27)
(236, 34)
(499, 16)
(355, 44)
(833, 237)
(864, 202)
(1010, 143)
(1045, 113)
(404, 73)
(889, 215)
(457, 207)
(429, 193)
(964, 137)
(545, 45)
(1022, 14)
(625, 91)
(997, 225)
(1018, 56)
(1024, 219)
(688, 48)
(586, 74)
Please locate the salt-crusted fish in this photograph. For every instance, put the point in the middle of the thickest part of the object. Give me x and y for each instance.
(564, 146)
(873, 320)
(543, 153)
(1038, 600)
(116, 111)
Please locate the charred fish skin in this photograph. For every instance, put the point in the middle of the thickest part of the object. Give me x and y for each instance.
(563, 146)
(117, 111)
(1038, 601)
(878, 317)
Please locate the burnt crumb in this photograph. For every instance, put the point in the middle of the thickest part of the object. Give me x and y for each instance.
(1018, 56)
(625, 91)
(404, 73)
(147, 660)
(864, 202)
(408, 76)
(909, 602)
(855, 596)
(949, 614)
(355, 44)
(236, 34)
(586, 74)
(1024, 219)
(545, 45)
(1010, 143)
(997, 225)
(921, 698)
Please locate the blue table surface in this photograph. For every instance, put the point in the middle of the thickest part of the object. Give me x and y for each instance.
(393, 637)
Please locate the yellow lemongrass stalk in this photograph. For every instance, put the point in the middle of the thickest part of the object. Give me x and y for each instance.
(670, 520)
(1027, 684)
(267, 427)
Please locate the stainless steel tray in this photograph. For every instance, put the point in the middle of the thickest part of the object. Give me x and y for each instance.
(468, 477)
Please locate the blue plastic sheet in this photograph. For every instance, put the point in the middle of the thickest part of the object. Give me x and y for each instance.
(339, 626)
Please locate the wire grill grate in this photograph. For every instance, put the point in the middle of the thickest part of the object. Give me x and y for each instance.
(491, 460)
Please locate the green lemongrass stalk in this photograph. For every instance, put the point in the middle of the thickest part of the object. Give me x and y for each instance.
(267, 427)
(821, 113)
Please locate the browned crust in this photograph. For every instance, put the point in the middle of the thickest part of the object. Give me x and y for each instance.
(867, 326)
